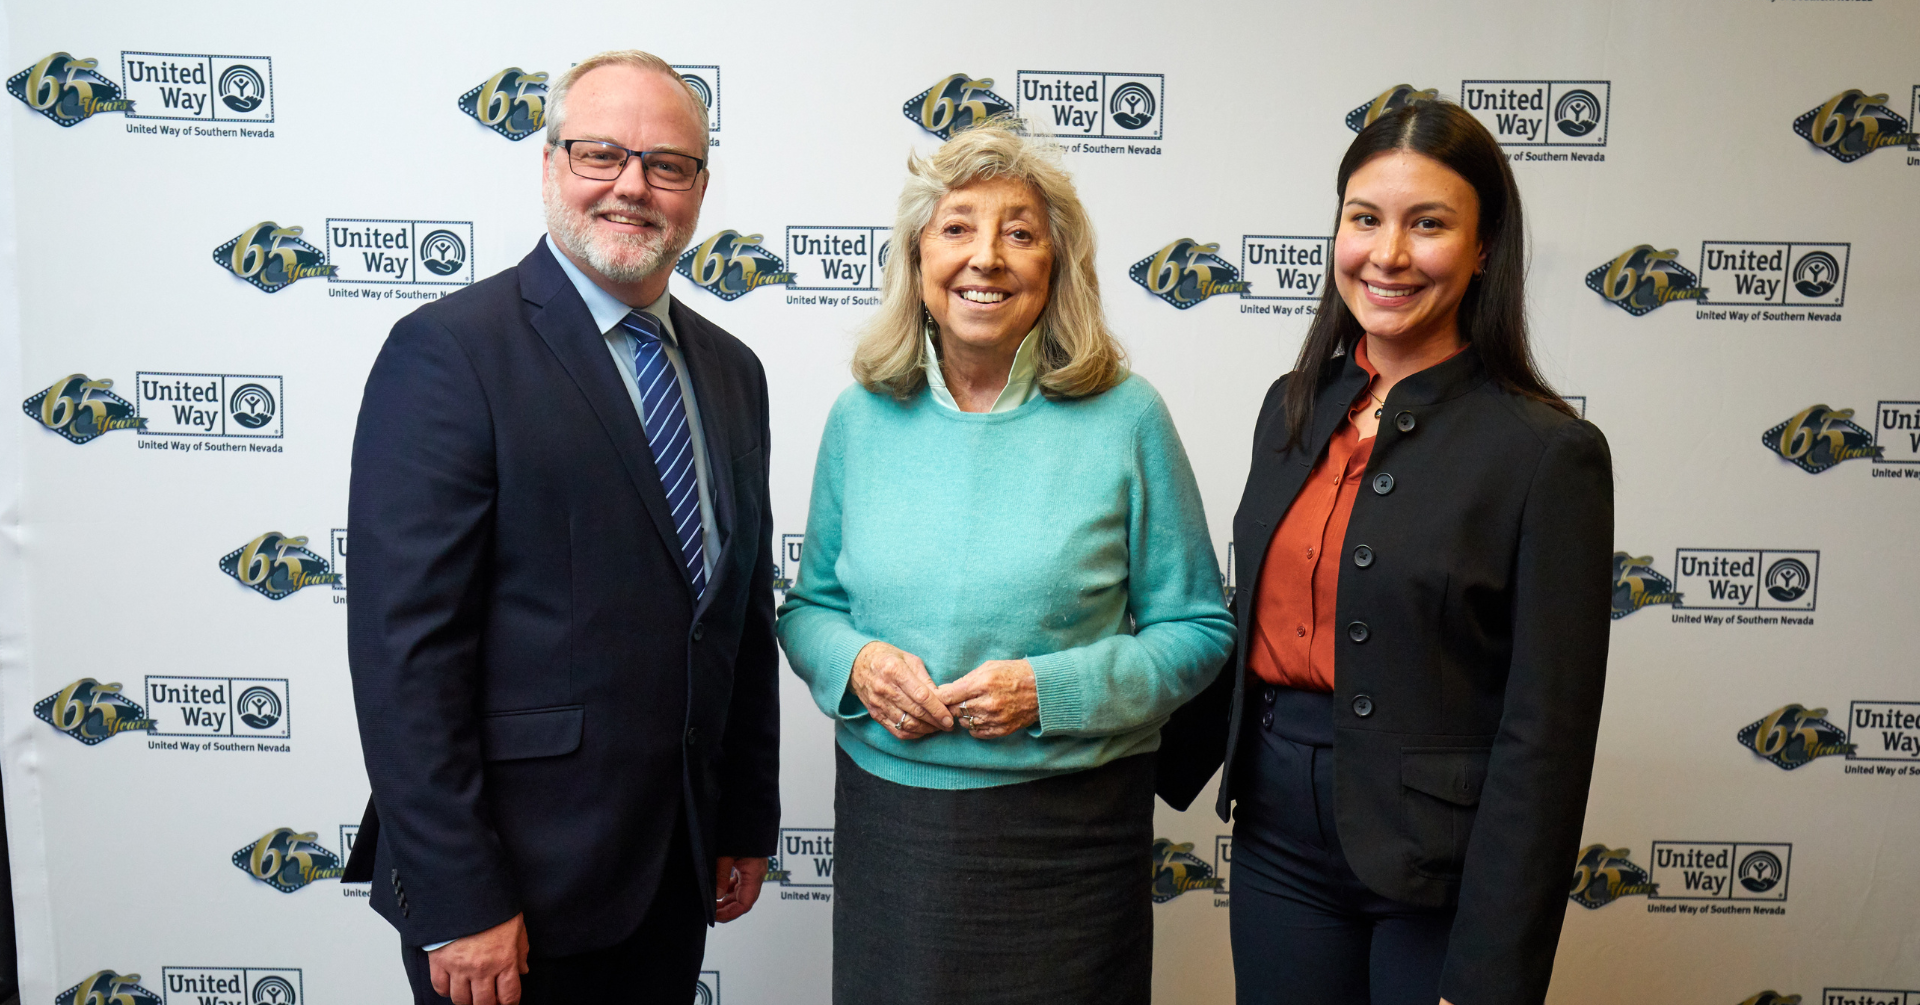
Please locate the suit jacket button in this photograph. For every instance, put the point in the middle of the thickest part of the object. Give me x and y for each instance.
(1404, 421)
(1266, 720)
(1382, 483)
(693, 735)
(699, 629)
(1363, 556)
(1362, 705)
(1357, 631)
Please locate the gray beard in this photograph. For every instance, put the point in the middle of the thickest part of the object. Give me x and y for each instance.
(620, 258)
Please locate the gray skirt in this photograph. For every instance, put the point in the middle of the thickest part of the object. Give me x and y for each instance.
(1030, 893)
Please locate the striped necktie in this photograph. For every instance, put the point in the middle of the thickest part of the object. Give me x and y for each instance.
(664, 414)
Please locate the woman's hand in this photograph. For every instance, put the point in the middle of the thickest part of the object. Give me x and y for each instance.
(898, 692)
(998, 697)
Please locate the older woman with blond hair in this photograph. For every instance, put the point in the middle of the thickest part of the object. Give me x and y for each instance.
(1006, 589)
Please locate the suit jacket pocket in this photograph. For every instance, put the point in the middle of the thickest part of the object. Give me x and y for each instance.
(1440, 791)
(533, 732)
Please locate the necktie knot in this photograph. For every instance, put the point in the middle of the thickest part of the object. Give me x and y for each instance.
(644, 326)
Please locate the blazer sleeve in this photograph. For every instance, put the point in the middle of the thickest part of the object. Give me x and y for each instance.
(1182, 631)
(750, 753)
(420, 515)
(1532, 807)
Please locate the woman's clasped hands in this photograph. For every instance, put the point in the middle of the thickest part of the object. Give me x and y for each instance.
(995, 699)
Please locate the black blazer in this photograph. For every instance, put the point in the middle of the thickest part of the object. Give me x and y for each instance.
(1472, 656)
(539, 696)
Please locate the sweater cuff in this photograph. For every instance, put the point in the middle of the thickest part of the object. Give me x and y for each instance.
(1056, 681)
(840, 673)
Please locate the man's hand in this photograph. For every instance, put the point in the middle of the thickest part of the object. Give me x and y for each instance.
(736, 886)
(485, 968)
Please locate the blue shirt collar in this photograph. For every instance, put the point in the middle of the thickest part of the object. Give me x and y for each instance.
(607, 310)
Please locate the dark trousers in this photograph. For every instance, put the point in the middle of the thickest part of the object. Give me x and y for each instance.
(1305, 930)
(658, 962)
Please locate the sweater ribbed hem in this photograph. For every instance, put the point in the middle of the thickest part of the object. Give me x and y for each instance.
(921, 775)
(840, 670)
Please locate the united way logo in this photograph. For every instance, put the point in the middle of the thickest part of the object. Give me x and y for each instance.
(1637, 585)
(1775, 272)
(231, 986)
(288, 860)
(1540, 113)
(277, 566)
(175, 85)
(512, 103)
(1177, 870)
(1186, 272)
(1604, 875)
(391, 252)
(209, 404)
(82, 409)
(92, 712)
(272, 257)
(1792, 736)
(704, 81)
(1818, 437)
(108, 988)
(1094, 105)
(1390, 100)
(67, 90)
(731, 265)
(706, 990)
(955, 103)
(1853, 124)
(1643, 279)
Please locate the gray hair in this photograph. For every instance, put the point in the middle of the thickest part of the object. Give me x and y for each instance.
(557, 95)
(1078, 356)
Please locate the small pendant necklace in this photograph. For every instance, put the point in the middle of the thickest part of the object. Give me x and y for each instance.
(1382, 401)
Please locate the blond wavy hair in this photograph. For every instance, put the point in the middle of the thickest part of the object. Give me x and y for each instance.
(1078, 356)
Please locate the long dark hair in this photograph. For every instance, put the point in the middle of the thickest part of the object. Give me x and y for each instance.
(1493, 313)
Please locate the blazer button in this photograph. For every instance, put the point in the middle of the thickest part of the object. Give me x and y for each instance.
(1357, 631)
(1382, 483)
(1363, 556)
(1362, 705)
(699, 629)
(693, 735)
(1266, 720)
(1404, 421)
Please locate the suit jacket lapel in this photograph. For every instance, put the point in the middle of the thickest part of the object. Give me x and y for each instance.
(709, 394)
(562, 320)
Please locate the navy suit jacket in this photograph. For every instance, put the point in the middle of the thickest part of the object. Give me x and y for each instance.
(540, 695)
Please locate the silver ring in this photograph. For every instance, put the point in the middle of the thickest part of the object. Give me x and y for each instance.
(902, 724)
(969, 720)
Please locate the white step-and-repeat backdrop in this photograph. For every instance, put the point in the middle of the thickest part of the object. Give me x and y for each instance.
(216, 214)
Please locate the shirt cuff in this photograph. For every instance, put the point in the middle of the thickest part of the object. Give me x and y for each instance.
(438, 945)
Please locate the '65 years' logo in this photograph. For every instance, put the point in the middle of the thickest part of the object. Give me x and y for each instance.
(287, 860)
(731, 265)
(106, 987)
(276, 566)
(955, 103)
(81, 409)
(1853, 124)
(67, 90)
(1186, 272)
(1643, 278)
(512, 103)
(91, 712)
(272, 257)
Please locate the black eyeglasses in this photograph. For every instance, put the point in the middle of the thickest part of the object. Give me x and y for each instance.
(603, 161)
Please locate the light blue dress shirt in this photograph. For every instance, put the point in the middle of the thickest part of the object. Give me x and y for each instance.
(607, 312)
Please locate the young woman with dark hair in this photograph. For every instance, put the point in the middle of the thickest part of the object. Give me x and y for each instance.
(1408, 724)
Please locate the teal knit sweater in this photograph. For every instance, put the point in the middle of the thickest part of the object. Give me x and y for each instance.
(1069, 533)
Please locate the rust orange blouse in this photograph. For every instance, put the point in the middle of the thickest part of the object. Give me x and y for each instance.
(1293, 629)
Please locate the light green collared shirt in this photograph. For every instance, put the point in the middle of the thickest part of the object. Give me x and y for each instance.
(1020, 382)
